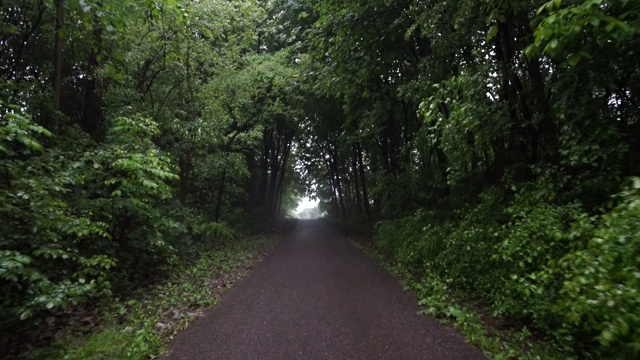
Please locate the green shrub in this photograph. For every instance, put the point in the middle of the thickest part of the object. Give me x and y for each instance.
(213, 230)
(466, 257)
(534, 240)
(41, 265)
(459, 251)
(125, 182)
(68, 220)
(538, 261)
(600, 294)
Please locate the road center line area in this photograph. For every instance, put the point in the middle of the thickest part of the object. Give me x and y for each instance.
(316, 296)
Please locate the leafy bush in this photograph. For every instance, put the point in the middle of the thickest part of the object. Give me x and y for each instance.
(538, 233)
(465, 259)
(69, 220)
(457, 250)
(402, 239)
(537, 261)
(125, 181)
(213, 230)
(400, 199)
(600, 295)
(41, 266)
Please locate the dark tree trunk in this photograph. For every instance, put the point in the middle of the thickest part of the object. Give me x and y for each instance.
(363, 181)
(548, 128)
(185, 171)
(348, 195)
(332, 185)
(57, 62)
(334, 164)
(280, 188)
(356, 181)
(273, 179)
(220, 193)
(91, 116)
(263, 186)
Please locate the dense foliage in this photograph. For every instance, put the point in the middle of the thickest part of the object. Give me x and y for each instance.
(130, 132)
(495, 143)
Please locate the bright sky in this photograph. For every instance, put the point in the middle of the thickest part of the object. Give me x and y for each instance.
(306, 203)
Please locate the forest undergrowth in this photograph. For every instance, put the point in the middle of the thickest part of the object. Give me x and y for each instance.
(563, 282)
(140, 324)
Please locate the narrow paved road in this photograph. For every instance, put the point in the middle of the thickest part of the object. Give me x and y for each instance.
(318, 297)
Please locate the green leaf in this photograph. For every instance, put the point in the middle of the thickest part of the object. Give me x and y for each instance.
(493, 31)
(574, 59)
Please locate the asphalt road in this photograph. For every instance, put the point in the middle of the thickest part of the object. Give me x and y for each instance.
(316, 296)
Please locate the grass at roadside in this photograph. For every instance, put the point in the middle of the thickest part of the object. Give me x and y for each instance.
(497, 342)
(141, 326)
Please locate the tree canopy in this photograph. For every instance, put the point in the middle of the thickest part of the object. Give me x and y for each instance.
(495, 144)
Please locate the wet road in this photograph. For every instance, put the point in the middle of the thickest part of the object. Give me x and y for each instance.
(318, 297)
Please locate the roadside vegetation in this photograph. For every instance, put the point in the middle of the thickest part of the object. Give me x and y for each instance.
(495, 144)
(141, 325)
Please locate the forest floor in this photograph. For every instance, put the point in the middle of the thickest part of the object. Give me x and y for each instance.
(316, 296)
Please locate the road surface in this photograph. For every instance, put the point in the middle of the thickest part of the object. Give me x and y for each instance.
(316, 296)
